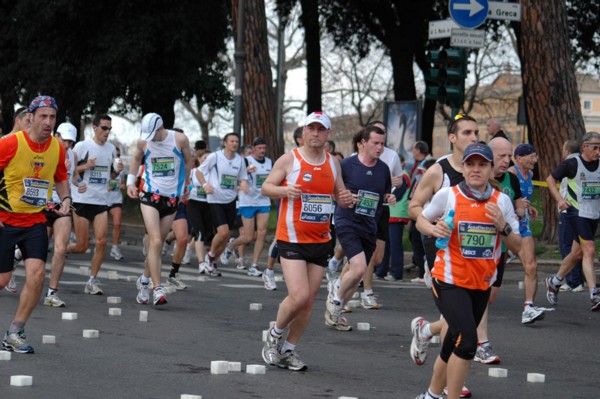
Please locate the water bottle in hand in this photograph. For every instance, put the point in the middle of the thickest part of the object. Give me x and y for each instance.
(442, 243)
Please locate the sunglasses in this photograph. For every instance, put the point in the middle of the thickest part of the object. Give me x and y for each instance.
(105, 128)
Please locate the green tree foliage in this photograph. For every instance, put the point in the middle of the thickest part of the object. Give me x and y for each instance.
(88, 54)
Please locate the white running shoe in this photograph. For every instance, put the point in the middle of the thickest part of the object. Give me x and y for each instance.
(203, 268)
(54, 301)
(91, 287)
(176, 283)
(143, 296)
(12, 284)
(368, 301)
(115, 252)
(187, 257)
(419, 343)
(269, 279)
(158, 296)
(254, 272)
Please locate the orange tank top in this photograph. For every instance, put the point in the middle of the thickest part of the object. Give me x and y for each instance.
(306, 220)
(473, 252)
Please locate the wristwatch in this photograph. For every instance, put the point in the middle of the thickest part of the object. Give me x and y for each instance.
(506, 230)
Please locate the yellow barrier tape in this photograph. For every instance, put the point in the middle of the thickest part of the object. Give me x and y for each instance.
(540, 183)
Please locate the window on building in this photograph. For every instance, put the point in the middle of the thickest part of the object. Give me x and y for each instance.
(587, 105)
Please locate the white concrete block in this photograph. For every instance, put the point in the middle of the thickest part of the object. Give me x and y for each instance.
(21, 380)
(279, 278)
(363, 326)
(48, 339)
(356, 295)
(353, 304)
(202, 278)
(219, 367)
(91, 333)
(435, 339)
(521, 285)
(234, 366)
(143, 315)
(256, 369)
(112, 275)
(265, 334)
(271, 324)
(113, 299)
(497, 372)
(69, 316)
(169, 289)
(188, 396)
(256, 306)
(114, 311)
(84, 270)
(347, 397)
(5, 355)
(536, 377)
(131, 278)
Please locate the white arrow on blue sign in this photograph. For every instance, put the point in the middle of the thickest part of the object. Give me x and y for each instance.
(468, 13)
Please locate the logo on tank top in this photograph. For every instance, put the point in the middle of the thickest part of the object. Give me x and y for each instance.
(369, 173)
(307, 177)
(317, 168)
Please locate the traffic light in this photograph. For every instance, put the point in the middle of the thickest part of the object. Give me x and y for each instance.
(445, 79)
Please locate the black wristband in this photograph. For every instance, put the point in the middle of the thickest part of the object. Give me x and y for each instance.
(64, 198)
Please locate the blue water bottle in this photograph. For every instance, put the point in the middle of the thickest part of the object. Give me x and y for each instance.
(442, 243)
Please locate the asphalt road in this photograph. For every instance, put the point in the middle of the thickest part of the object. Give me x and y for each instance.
(170, 355)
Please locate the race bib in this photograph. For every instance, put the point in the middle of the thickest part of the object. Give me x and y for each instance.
(316, 208)
(200, 193)
(228, 182)
(163, 166)
(477, 240)
(590, 190)
(260, 179)
(367, 203)
(35, 192)
(98, 175)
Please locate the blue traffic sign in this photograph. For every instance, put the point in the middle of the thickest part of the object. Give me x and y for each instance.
(468, 13)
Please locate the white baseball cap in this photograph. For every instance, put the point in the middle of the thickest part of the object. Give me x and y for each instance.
(67, 131)
(150, 124)
(318, 117)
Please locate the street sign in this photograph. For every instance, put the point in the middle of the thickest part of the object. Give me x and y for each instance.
(504, 11)
(467, 38)
(441, 29)
(468, 13)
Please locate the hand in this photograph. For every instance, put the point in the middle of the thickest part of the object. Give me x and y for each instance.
(132, 192)
(293, 191)
(563, 205)
(533, 212)
(244, 187)
(390, 199)
(65, 207)
(251, 168)
(346, 199)
(90, 163)
(397, 181)
(208, 189)
(494, 213)
(120, 166)
(82, 187)
(441, 230)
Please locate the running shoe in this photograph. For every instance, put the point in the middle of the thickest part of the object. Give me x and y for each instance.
(551, 291)
(389, 277)
(531, 314)
(271, 349)
(333, 318)
(290, 360)
(203, 268)
(158, 296)
(165, 248)
(227, 253)
(143, 296)
(419, 343)
(254, 272)
(595, 303)
(144, 247)
(12, 284)
(54, 301)
(269, 279)
(485, 354)
(565, 288)
(176, 283)
(368, 301)
(187, 257)
(579, 288)
(91, 287)
(332, 268)
(16, 342)
(464, 393)
(18, 255)
(211, 266)
(115, 252)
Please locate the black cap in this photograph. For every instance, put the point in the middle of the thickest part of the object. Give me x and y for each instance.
(259, 141)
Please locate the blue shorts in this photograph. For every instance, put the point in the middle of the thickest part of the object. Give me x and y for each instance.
(249, 212)
(32, 241)
(524, 229)
(354, 243)
(584, 228)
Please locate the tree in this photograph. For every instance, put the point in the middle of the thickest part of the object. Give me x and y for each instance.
(549, 88)
(90, 54)
(258, 95)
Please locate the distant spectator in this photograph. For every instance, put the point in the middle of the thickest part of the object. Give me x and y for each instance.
(20, 120)
(200, 145)
(330, 146)
(298, 137)
(494, 129)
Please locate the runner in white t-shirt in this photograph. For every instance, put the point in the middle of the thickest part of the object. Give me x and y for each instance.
(95, 169)
(220, 176)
